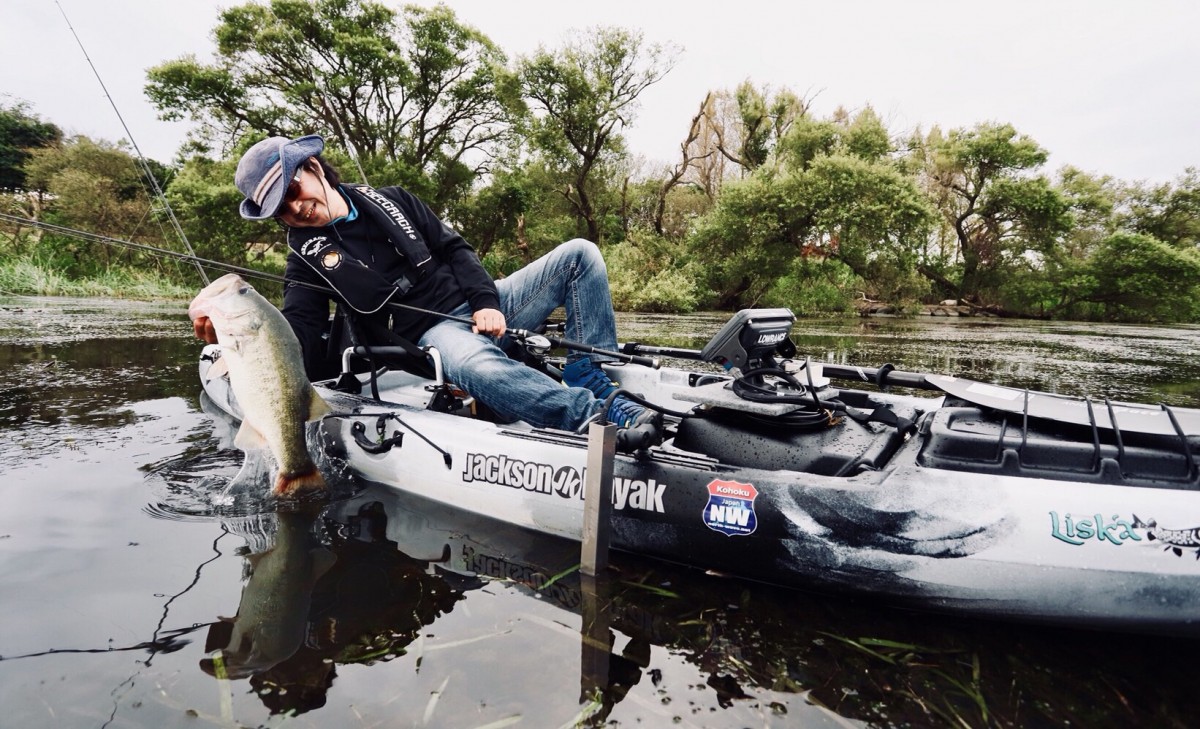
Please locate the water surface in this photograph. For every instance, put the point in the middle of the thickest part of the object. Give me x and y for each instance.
(120, 580)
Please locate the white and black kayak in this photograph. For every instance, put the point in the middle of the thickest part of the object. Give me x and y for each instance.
(980, 500)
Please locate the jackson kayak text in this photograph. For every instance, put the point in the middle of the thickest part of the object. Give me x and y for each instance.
(564, 481)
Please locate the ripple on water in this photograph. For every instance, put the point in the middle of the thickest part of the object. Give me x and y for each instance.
(228, 483)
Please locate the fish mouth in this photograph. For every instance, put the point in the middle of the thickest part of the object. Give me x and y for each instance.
(206, 308)
(195, 312)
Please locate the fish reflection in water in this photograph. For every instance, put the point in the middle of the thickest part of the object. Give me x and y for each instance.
(325, 585)
(321, 593)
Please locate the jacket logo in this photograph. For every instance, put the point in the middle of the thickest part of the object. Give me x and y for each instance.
(312, 245)
(390, 209)
(331, 260)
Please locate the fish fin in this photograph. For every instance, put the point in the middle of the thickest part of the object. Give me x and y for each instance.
(287, 485)
(323, 561)
(317, 407)
(248, 438)
(255, 558)
(219, 634)
(255, 472)
(219, 368)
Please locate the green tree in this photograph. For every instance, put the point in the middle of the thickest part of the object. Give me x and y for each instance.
(1130, 254)
(833, 194)
(865, 135)
(864, 215)
(581, 96)
(749, 134)
(205, 202)
(862, 136)
(419, 101)
(21, 132)
(982, 183)
(873, 219)
(1167, 212)
(751, 233)
(1049, 284)
(1134, 277)
(809, 138)
(97, 187)
(496, 213)
(650, 273)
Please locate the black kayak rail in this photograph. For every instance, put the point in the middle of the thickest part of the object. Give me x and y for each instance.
(883, 377)
(1098, 459)
(1190, 467)
(1187, 448)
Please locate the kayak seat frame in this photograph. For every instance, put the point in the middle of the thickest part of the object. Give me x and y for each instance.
(347, 346)
(429, 366)
(437, 393)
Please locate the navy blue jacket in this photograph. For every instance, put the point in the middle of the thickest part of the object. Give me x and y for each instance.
(455, 275)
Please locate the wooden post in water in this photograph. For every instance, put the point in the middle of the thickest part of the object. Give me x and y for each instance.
(595, 637)
(597, 498)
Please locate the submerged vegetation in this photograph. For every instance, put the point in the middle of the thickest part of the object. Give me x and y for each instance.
(766, 203)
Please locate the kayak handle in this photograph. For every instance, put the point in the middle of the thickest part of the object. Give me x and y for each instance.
(884, 376)
(382, 445)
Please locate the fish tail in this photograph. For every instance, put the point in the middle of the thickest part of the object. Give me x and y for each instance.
(289, 484)
(1139, 524)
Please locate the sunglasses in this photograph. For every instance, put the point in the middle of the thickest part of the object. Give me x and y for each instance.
(293, 188)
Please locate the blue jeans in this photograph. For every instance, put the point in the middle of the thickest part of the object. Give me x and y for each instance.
(574, 276)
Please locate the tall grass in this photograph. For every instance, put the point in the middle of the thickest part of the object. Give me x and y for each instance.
(27, 276)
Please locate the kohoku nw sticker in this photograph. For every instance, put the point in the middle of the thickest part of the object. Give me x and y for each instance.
(730, 508)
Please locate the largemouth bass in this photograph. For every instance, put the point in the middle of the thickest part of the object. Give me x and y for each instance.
(273, 615)
(266, 374)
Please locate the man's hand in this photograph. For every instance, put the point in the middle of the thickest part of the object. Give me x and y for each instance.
(489, 322)
(203, 327)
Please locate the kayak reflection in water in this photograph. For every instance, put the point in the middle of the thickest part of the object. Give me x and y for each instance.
(321, 593)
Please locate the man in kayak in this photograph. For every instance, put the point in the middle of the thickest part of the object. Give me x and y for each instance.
(376, 247)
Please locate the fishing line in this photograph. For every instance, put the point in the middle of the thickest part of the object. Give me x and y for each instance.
(523, 335)
(85, 235)
(341, 132)
(96, 237)
(520, 334)
(141, 158)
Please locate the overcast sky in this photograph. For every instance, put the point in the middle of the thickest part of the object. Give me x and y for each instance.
(1109, 86)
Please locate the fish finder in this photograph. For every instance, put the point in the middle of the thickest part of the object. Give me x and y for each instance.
(751, 338)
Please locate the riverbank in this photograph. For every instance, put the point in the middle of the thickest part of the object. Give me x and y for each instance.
(26, 276)
(867, 308)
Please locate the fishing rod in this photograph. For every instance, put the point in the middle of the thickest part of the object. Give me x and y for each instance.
(532, 339)
(141, 158)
